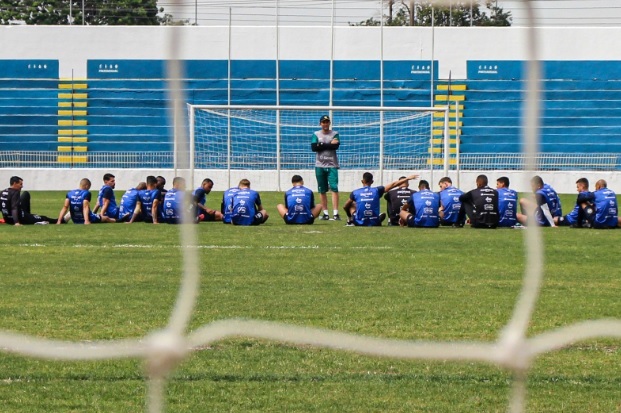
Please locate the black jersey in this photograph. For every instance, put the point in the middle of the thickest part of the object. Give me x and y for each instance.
(484, 206)
(9, 202)
(397, 197)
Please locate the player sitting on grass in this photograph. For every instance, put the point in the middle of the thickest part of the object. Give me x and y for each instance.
(299, 207)
(226, 207)
(606, 208)
(545, 204)
(175, 202)
(422, 210)
(449, 202)
(129, 210)
(15, 205)
(396, 198)
(149, 200)
(78, 203)
(480, 205)
(199, 200)
(106, 200)
(507, 203)
(581, 215)
(246, 206)
(363, 206)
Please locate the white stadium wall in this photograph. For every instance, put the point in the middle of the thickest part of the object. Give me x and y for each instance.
(73, 46)
(453, 47)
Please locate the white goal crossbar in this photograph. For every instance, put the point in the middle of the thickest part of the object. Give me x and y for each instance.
(277, 137)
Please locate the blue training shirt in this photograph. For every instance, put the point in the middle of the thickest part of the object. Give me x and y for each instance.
(555, 201)
(106, 192)
(606, 209)
(574, 216)
(129, 200)
(449, 199)
(147, 197)
(76, 206)
(424, 206)
(200, 197)
(244, 206)
(367, 205)
(173, 206)
(507, 207)
(300, 202)
(227, 204)
(542, 199)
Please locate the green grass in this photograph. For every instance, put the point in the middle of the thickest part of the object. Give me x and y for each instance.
(115, 281)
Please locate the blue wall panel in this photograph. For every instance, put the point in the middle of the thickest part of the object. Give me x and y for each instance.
(29, 69)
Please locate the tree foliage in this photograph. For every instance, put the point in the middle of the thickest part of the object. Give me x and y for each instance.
(96, 12)
(460, 13)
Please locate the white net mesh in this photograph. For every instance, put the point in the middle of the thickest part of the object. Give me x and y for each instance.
(271, 138)
(163, 350)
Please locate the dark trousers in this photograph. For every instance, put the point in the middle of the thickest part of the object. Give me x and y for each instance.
(27, 218)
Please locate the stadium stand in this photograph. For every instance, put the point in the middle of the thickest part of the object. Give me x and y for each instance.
(122, 105)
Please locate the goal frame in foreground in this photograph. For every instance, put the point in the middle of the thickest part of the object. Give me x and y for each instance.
(445, 135)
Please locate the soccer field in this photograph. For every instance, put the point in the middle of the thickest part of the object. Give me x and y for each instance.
(115, 281)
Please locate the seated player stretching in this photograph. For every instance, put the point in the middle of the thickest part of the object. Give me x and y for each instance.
(363, 206)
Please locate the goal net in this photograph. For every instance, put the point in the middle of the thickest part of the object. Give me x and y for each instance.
(278, 137)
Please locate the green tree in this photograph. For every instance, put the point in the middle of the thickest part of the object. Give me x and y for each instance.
(96, 12)
(460, 13)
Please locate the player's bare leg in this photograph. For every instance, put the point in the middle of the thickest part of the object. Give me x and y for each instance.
(335, 204)
(324, 206)
(315, 211)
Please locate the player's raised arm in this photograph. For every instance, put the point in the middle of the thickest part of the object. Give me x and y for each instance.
(399, 182)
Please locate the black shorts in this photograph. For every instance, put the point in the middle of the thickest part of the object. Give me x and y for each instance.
(309, 222)
(207, 217)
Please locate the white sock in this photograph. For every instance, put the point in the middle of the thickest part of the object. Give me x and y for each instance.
(336, 212)
(325, 212)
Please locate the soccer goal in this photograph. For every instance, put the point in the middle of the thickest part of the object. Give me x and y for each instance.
(277, 138)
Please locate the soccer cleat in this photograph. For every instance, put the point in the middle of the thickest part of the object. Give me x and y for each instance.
(350, 223)
(325, 217)
(337, 217)
(382, 217)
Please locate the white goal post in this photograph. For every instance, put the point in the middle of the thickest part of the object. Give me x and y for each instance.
(277, 138)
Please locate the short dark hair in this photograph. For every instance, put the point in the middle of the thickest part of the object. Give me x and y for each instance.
(482, 179)
(504, 181)
(296, 178)
(367, 177)
(244, 182)
(151, 180)
(207, 181)
(14, 180)
(446, 179)
(107, 177)
(583, 181)
(537, 180)
(162, 179)
(85, 182)
(423, 184)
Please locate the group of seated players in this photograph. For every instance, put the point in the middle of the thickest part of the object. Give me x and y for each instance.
(482, 207)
